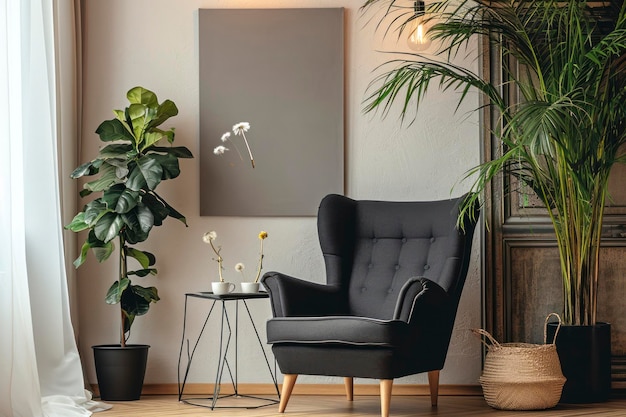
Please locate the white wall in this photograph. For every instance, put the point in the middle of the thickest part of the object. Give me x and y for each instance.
(153, 43)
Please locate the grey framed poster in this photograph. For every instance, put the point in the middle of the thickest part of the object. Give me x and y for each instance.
(281, 71)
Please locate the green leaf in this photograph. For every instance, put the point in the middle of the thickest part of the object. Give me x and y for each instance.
(108, 227)
(172, 212)
(102, 253)
(166, 110)
(143, 272)
(177, 151)
(120, 199)
(147, 173)
(149, 294)
(140, 95)
(169, 163)
(139, 223)
(116, 291)
(139, 117)
(145, 218)
(78, 223)
(140, 256)
(83, 255)
(88, 168)
(158, 209)
(113, 130)
(151, 138)
(108, 177)
(121, 151)
(128, 322)
(94, 210)
(136, 301)
(121, 115)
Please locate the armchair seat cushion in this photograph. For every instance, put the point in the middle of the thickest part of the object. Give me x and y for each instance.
(346, 330)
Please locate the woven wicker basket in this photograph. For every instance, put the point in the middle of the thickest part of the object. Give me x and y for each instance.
(522, 376)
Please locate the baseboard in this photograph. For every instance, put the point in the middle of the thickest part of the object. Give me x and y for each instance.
(308, 389)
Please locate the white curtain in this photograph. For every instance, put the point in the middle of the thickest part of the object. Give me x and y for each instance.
(40, 370)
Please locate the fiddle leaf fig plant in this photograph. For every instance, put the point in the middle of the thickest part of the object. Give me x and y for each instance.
(137, 156)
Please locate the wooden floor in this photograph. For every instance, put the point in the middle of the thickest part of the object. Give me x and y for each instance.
(338, 406)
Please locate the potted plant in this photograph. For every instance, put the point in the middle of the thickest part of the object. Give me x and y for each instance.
(561, 139)
(137, 156)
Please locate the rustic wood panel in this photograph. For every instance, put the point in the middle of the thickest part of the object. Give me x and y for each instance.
(534, 289)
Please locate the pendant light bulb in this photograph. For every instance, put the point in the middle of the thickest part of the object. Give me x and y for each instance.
(419, 39)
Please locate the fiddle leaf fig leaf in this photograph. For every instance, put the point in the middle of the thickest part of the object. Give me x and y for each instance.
(147, 173)
(166, 110)
(88, 168)
(120, 199)
(113, 130)
(128, 322)
(151, 138)
(145, 218)
(102, 253)
(140, 95)
(140, 256)
(114, 294)
(83, 255)
(150, 294)
(136, 300)
(158, 209)
(177, 151)
(139, 118)
(116, 150)
(108, 227)
(169, 163)
(94, 210)
(121, 115)
(78, 223)
(143, 272)
(107, 178)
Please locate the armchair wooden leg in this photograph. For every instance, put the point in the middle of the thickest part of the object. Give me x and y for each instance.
(349, 383)
(288, 382)
(433, 382)
(385, 396)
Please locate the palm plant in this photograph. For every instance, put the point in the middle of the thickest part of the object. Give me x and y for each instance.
(561, 138)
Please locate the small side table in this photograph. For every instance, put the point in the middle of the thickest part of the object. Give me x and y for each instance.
(226, 332)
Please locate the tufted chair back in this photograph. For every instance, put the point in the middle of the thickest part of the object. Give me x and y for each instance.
(373, 248)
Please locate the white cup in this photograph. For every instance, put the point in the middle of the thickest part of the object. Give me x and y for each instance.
(249, 287)
(222, 287)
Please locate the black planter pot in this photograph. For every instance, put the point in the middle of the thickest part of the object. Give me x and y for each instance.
(585, 355)
(120, 371)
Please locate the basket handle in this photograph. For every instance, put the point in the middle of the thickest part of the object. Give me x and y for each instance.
(494, 342)
(545, 328)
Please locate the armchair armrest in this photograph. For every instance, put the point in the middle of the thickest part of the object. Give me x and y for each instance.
(292, 296)
(419, 294)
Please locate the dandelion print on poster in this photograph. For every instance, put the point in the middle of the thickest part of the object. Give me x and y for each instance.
(272, 79)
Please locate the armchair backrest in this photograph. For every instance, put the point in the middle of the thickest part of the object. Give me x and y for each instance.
(372, 248)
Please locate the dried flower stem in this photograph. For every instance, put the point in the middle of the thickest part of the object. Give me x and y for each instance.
(219, 260)
(249, 151)
(258, 272)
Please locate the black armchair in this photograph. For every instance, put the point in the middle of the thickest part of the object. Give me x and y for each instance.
(394, 273)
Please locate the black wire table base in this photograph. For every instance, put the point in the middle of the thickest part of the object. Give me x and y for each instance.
(208, 402)
(236, 400)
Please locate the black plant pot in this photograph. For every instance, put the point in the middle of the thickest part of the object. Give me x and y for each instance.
(585, 355)
(120, 371)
